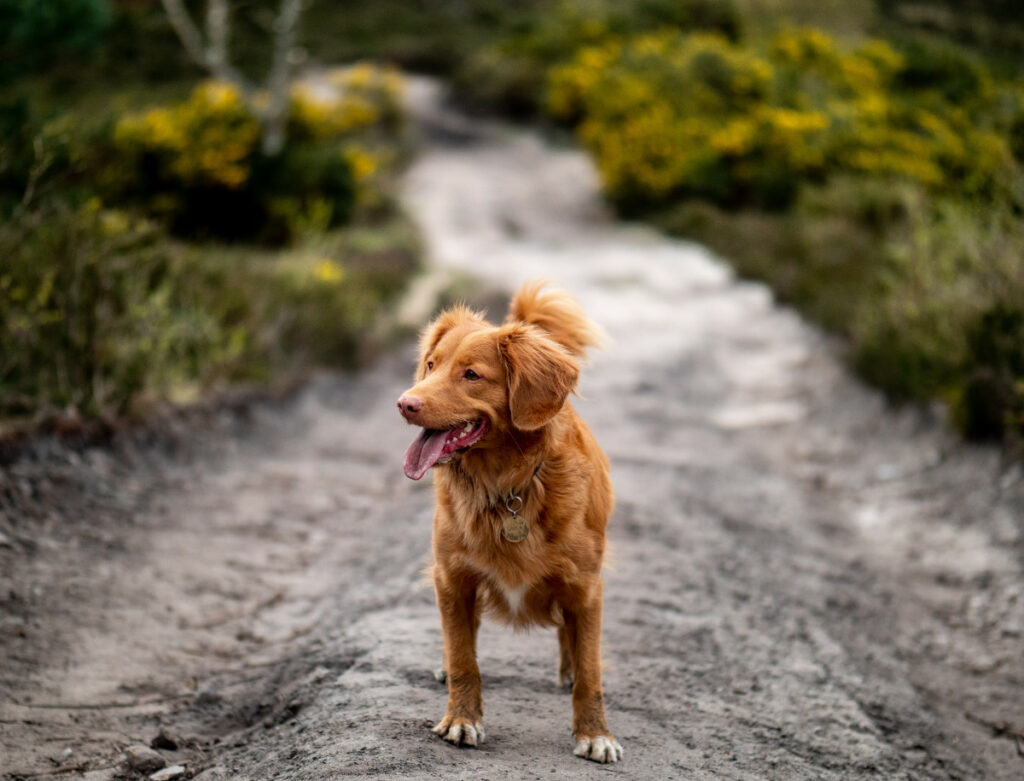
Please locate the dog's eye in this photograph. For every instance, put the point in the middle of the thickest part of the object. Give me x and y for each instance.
(430, 365)
(471, 375)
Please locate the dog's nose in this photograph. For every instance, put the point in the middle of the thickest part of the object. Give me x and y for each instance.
(409, 406)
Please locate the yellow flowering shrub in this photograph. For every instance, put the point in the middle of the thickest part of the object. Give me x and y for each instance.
(355, 99)
(669, 115)
(367, 95)
(198, 163)
(672, 115)
(208, 139)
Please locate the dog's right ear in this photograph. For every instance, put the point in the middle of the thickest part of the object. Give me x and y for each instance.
(437, 328)
(540, 374)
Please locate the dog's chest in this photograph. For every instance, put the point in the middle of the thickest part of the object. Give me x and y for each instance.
(506, 597)
(513, 597)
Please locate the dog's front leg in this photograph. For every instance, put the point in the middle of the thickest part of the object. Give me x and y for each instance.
(583, 630)
(456, 599)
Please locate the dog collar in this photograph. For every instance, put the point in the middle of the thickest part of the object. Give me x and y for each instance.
(514, 528)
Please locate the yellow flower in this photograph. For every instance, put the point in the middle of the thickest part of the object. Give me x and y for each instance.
(364, 165)
(207, 138)
(326, 270)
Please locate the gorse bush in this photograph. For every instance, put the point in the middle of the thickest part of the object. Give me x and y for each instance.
(198, 164)
(673, 115)
(209, 140)
(509, 74)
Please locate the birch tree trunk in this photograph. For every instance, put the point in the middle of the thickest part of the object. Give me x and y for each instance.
(210, 52)
(286, 28)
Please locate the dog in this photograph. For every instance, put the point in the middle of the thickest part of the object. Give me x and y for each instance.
(523, 496)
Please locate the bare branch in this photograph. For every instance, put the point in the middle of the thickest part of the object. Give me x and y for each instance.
(213, 59)
(186, 30)
(211, 54)
(285, 31)
(217, 33)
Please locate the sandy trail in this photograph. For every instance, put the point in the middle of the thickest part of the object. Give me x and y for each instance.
(805, 584)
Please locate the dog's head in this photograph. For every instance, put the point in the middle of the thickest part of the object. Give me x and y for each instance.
(477, 384)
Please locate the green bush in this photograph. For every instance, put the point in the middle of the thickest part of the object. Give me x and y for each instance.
(928, 292)
(991, 402)
(98, 310)
(939, 65)
(944, 316)
(93, 310)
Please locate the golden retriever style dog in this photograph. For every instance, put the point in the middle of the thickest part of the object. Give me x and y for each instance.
(523, 497)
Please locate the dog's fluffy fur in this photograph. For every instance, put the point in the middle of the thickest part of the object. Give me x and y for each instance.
(492, 401)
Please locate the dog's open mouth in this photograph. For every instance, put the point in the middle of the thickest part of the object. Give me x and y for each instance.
(438, 446)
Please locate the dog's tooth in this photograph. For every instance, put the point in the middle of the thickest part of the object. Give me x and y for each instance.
(468, 428)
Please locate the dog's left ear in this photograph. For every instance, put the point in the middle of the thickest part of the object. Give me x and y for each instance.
(435, 330)
(540, 374)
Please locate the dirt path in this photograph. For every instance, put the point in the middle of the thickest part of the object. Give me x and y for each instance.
(805, 584)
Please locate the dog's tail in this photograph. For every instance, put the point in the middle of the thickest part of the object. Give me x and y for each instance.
(557, 313)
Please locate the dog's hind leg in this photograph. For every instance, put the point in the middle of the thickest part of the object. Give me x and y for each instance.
(583, 628)
(565, 652)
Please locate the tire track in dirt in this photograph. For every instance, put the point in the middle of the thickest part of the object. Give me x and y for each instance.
(804, 583)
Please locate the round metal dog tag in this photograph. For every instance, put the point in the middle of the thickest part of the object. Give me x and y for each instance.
(515, 529)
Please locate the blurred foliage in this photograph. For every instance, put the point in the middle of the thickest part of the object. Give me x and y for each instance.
(990, 27)
(96, 308)
(671, 116)
(34, 31)
(116, 286)
(198, 165)
(927, 290)
(100, 310)
(509, 74)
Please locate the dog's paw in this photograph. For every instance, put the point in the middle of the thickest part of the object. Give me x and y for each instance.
(600, 748)
(461, 732)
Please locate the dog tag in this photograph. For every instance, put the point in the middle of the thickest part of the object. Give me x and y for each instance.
(515, 529)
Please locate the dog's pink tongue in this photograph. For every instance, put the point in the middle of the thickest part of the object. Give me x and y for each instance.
(424, 452)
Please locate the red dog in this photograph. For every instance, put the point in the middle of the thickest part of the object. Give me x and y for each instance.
(523, 497)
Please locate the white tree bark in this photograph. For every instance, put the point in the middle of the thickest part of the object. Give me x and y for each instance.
(286, 28)
(217, 29)
(211, 53)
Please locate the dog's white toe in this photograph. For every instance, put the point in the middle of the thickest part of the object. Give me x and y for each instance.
(599, 749)
(461, 733)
